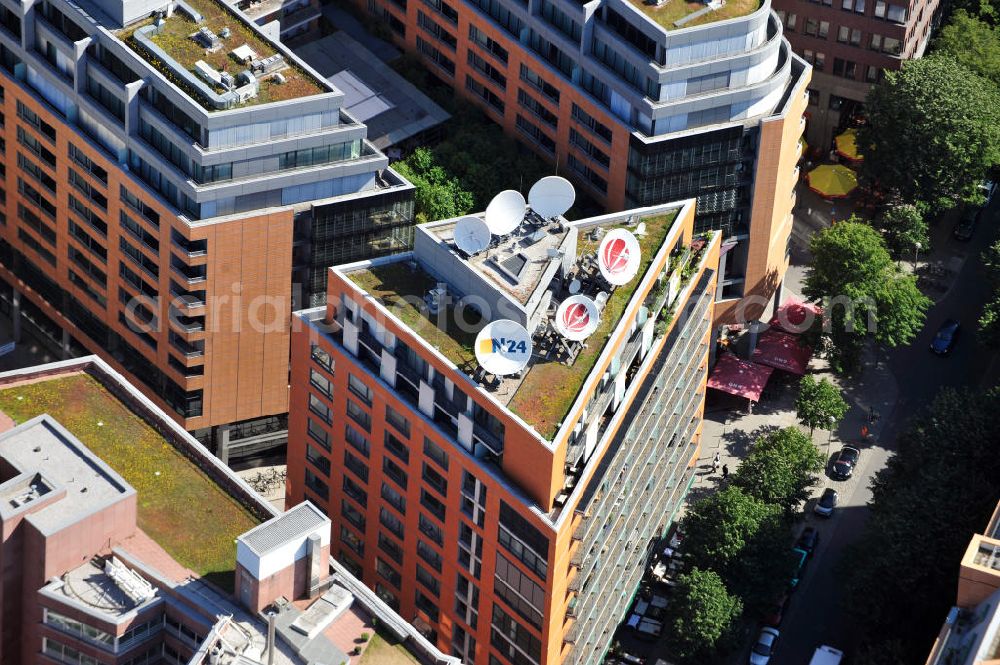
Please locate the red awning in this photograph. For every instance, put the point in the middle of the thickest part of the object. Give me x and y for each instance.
(739, 377)
(795, 316)
(782, 351)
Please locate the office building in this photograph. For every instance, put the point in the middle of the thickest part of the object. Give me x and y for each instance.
(971, 631)
(293, 22)
(174, 185)
(511, 515)
(107, 563)
(851, 44)
(639, 104)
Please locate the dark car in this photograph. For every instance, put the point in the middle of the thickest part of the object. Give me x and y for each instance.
(808, 539)
(827, 502)
(801, 559)
(846, 460)
(773, 616)
(945, 338)
(966, 225)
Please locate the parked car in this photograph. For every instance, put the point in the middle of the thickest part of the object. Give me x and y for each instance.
(966, 226)
(846, 460)
(761, 652)
(988, 189)
(808, 539)
(827, 502)
(773, 616)
(946, 337)
(801, 558)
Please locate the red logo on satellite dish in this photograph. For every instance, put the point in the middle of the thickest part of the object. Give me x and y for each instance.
(616, 256)
(575, 318)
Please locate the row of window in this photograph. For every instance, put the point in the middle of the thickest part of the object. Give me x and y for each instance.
(845, 34)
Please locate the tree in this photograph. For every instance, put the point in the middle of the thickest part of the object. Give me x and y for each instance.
(942, 484)
(819, 404)
(865, 292)
(718, 527)
(972, 42)
(438, 195)
(933, 132)
(903, 228)
(701, 614)
(780, 468)
(989, 322)
(991, 262)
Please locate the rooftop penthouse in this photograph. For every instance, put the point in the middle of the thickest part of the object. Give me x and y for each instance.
(677, 14)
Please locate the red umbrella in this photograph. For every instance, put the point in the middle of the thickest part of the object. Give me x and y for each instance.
(782, 351)
(739, 377)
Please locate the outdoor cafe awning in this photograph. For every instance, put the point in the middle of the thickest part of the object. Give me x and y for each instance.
(782, 351)
(795, 316)
(832, 181)
(739, 377)
(847, 145)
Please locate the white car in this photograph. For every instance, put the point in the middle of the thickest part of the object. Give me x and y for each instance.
(764, 648)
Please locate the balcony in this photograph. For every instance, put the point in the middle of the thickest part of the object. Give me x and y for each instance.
(190, 274)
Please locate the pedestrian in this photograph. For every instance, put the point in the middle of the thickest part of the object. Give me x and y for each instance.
(718, 458)
(715, 467)
(725, 470)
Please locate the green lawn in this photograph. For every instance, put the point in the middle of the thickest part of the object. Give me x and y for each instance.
(183, 510)
(674, 10)
(383, 651)
(549, 389)
(401, 291)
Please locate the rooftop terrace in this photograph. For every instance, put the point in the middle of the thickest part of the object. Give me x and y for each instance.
(175, 36)
(179, 506)
(676, 14)
(544, 392)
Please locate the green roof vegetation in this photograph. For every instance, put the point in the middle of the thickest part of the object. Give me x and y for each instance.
(550, 388)
(673, 10)
(179, 506)
(175, 39)
(382, 650)
(401, 290)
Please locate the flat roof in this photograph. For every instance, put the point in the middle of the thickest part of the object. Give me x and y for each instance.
(544, 391)
(297, 521)
(677, 14)
(52, 459)
(177, 36)
(190, 516)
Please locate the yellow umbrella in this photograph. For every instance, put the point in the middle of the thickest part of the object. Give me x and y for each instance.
(832, 181)
(805, 146)
(847, 145)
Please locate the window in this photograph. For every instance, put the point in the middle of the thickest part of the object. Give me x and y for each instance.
(394, 471)
(487, 95)
(354, 437)
(356, 465)
(355, 491)
(83, 160)
(435, 479)
(319, 408)
(396, 419)
(32, 118)
(431, 530)
(394, 497)
(351, 540)
(897, 14)
(512, 640)
(812, 25)
(359, 415)
(424, 577)
(66, 654)
(791, 22)
(486, 69)
(390, 547)
(319, 487)
(540, 84)
(78, 629)
(519, 537)
(855, 37)
(359, 388)
(586, 120)
(317, 459)
(470, 549)
(318, 434)
(880, 8)
(537, 136)
(473, 498)
(320, 383)
(820, 61)
(488, 44)
(824, 29)
(427, 553)
(519, 591)
(433, 504)
(440, 59)
(892, 46)
(321, 358)
(435, 453)
(391, 522)
(352, 514)
(843, 34)
(387, 572)
(536, 108)
(427, 606)
(876, 43)
(397, 447)
(872, 74)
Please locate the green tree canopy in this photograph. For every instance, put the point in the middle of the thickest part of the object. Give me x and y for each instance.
(438, 195)
(864, 290)
(940, 488)
(780, 468)
(972, 42)
(903, 227)
(819, 404)
(989, 322)
(933, 132)
(718, 527)
(701, 615)
(991, 262)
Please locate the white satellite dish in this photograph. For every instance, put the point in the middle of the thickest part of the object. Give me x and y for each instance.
(577, 318)
(551, 196)
(505, 212)
(471, 235)
(619, 256)
(503, 347)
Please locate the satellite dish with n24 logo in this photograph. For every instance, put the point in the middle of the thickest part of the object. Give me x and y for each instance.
(619, 256)
(503, 347)
(577, 318)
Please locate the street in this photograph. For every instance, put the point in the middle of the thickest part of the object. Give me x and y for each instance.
(815, 615)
